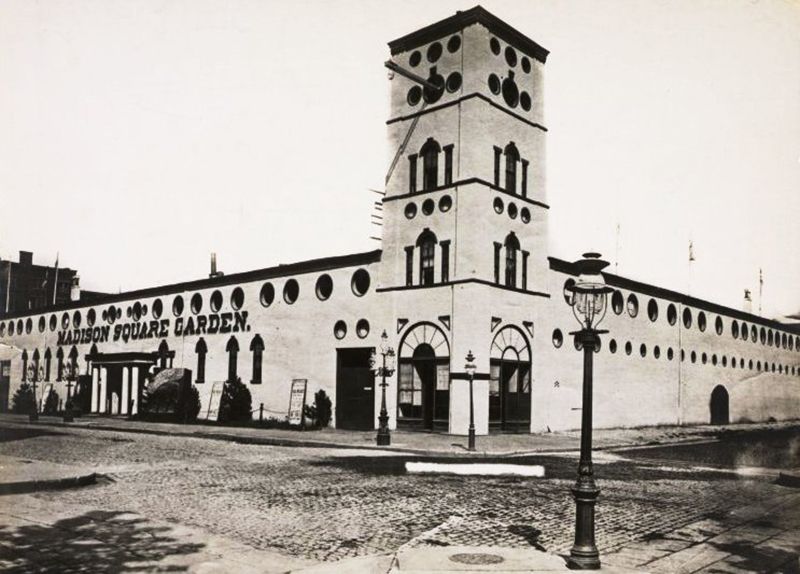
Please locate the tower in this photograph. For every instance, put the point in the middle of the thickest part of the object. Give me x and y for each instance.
(465, 212)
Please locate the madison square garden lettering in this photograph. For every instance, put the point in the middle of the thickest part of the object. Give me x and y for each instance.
(200, 325)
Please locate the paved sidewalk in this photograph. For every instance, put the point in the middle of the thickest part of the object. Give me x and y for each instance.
(19, 475)
(414, 442)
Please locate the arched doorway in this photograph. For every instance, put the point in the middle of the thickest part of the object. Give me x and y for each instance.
(423, 390)
(719, 406)
(510, 382)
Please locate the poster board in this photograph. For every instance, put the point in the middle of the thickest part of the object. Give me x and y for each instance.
(214, 400)
(297, 402)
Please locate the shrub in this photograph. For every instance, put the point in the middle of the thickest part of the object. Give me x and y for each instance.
(190, 406)
(236, 403)
(319, 414)
(51, 403)
(23, 401)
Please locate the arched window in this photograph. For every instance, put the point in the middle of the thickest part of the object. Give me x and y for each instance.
(510, 381)
(423, 392)
(163, 354)
(232, 349)
(512, 157)
(202, 350)
(24, 365)
(48, 356)
(257, 347)
(512, 247)
(427, 244)
(430, 163)
(59, 364)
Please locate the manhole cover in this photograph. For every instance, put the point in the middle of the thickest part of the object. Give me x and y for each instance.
(477, 558)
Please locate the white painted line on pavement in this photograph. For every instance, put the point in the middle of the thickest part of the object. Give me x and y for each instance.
(477, 469)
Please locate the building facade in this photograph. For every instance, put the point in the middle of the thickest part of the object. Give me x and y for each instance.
(464, 266)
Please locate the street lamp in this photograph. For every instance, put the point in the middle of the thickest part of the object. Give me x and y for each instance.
(34, 373)
(71, 374)
(386, 369)
(470, 369)
(588, 300)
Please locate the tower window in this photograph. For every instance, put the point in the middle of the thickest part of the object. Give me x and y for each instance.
(512, 246)
(497, 153)
(524, 178)
(445, 261)
(412, 173)
(430, 164)
(427, 244)
(448, 164)
(233, 355)
(257, 346)
(410, 265)
(512, 157)
(497, 247)
(202, 350)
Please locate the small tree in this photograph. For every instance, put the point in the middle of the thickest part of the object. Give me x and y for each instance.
(51, 403)
(320, 412)
(236, 404)
(191, 405)
(23, 401)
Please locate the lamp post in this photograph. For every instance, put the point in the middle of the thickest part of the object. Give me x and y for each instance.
(386, 369)
(470, 369)
(71, 374)
(34, 373)
(588, 300)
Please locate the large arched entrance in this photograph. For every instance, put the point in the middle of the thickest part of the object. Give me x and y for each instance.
(719, 406)
(510, 382)
(423, 389)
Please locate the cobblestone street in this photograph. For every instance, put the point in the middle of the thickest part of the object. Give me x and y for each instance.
(329, 504)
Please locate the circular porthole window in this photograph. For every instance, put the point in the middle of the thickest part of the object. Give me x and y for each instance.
(64, 321)
(237, 298)
(670, 354)
(705, 358)
(687, 318)
(745, 332)
(526, 64)
(701, 321)
(415, 58)
(77, 319)
(91, 318)
(633, 305)
(693, 357)
(428, 206)
(510, 92)
(291, 291)
(511, 56)
(612, 346)
(267, 295)
(652, 310)
(137, 311)
(340, 330)
(362, 328)
(525, 215)
(216, 301)
(657, 352)
(434, 52)
(432, 94)
(29, 325)
(42, 325)
(617, 302)
(10, 328)
(324, 287)
(494, 46)
(128, 312)
(628, 348)
(360, 282)
(453, 83)
(177, 306)
(453, 44)
(445, 203)
(196, 303)
(512, 210)
(525, 101)
(410, 210)
(54, 322)
(414, 95)
(558, 338)
(498, 205)
(725, 361)
(735, 329)
(643, 350)
(718, 325)
(494, 84)
(672, 314)
(568, 293)
(158, 308)
(2, 329)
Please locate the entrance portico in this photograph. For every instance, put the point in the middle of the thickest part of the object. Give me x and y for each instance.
(118, 379)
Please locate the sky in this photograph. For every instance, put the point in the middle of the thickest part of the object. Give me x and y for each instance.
(138, 137)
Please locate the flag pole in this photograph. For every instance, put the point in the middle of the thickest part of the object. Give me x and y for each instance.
(55, 282)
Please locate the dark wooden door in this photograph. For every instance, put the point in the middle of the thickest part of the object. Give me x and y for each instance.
(5, 384)
(355, 389)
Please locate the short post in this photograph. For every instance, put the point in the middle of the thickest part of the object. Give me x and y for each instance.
(33, 416)
(68, 404)
(261, 413)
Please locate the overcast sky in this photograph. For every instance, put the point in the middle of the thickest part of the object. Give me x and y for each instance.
(137, 137)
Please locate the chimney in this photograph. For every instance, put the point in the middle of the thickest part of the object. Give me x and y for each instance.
(26, 257)
(75, 289)
(213, 265)
(748, 302)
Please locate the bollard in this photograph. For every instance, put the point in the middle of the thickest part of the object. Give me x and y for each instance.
(261, 413)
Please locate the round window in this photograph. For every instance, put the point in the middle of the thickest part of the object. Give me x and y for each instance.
(54, 322)
(512, 210)
(2, 329)
(718, 325)
(91, 318)
(453, 83)
(415, 58)
(735, 329)
(701, 321)
(434, 52)
(291, 291)
(158, 308)
(11, 327)
(76, 319)
(196, 303)
(414, 95)
(652, 309)
(672, 314)
(494, 46)
(267, 295)
(216, 301)
(643, 350)
(362, 328)
(670, 354)
(511, 56)
(445, 203)
(177, 306)
(340, 330)
(525, 215)
(657, 352)
(568, 293)
(612, 346)
(64, 321)
(453, 44)
(360, 282)
(617, 302)
(324, 287)
(510, 92)
(428, 206)
(526, 64)
(558, 338)
(694, 357)
(410, 210)
(29, 325)
(237, 298)
(494, 84)
(628, 348)
(633, 305)
(137, 311)
(687, 318)
(42, 324)
(525, 101)
(498, 205)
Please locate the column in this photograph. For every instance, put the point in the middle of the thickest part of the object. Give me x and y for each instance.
(135, 389)
(95, 390)
(103, 389)
(123, 403)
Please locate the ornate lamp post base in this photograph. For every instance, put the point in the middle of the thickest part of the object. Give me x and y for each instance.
(584, 554)
(384, 437)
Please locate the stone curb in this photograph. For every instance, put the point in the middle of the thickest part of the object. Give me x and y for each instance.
(28, 486)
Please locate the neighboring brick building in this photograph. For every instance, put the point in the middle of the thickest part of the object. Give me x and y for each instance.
(463, 267)
(25, 286)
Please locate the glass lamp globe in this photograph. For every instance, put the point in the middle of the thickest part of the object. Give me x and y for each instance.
(590, 292)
